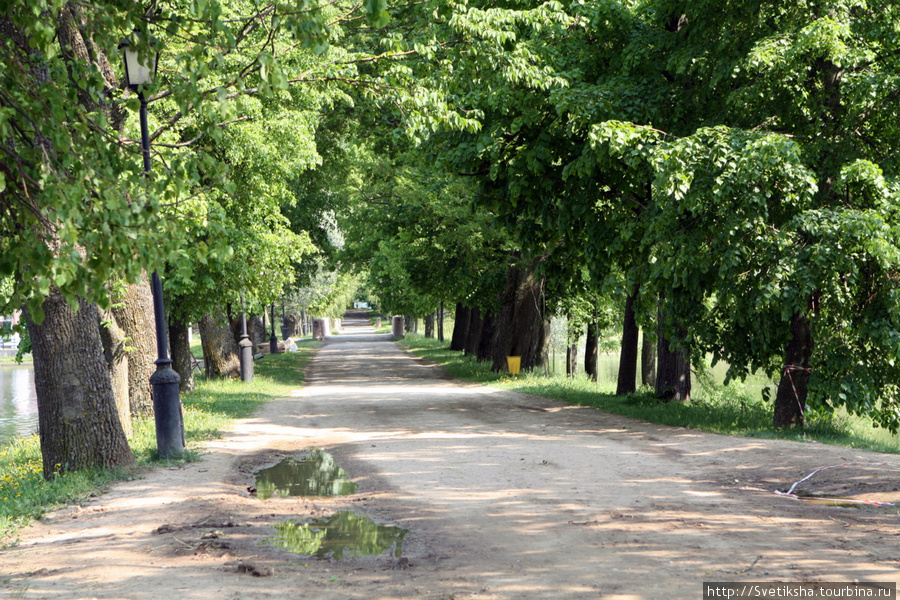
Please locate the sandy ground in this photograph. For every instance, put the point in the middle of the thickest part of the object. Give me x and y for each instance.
(504, 496)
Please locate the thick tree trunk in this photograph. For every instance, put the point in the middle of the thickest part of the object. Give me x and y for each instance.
(590, 351)
(256, 331)
(77, 414)
(79, 422)
(502, 336)
(521, 321)
(293, 324)
(648, 360)
(460, 327)
(182, 360)
(135, 316)
(790, 401)
(486, 341)
(673, 368)
(115, 351)
(628, 357)
(441, 322)
(473, 337)
(528, 325)
(429, 326)
(673, 377)
(410, 324)
(220, 351)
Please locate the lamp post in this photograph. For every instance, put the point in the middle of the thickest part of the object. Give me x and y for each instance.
(273, 341)
(139, 71)
(246, 347)
(285, 330)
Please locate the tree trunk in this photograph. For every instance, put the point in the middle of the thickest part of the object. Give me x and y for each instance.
(628, 357)
(410, 324)
(486, 341)
(528, 326)
(115, 351)
(590, 351)
(473, 337)
(78, 419)
(648, 360)
(182, 359)
(460, 328)
(571, 358)
(441, 322)
(220, 351)
(546, 339)
(673, 376)
(790, 401)
(135, 316)
(521, 322)
(77, 414)
(256, 331)
(429, 326)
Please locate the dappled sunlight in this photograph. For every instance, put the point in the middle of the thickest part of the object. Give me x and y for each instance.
(504, 496)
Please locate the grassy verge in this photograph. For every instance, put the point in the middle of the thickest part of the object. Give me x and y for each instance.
(729, 410)
(25, 495)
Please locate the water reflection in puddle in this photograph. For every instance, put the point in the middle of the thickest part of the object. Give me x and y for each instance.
(314, 475)
(343, 534)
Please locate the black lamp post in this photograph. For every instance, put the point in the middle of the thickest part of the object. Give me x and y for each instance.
(166, 383)
(285, 330)
(273, 341)
(246, 347)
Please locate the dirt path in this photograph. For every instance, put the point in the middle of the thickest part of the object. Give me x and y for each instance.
(504, 496)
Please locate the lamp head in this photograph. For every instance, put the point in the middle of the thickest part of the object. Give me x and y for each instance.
(140, 62)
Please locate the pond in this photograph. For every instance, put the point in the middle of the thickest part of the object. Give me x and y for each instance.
(18, 401)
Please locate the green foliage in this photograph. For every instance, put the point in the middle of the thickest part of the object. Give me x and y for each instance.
(238, 85)
(739, 159)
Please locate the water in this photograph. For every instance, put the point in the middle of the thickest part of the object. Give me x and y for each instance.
(343, 534)
(314, 475)
(18, 401)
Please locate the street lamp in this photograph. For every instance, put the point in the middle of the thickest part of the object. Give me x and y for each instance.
(246, 347)
(285, 330)
(140, 68)
(273, 341)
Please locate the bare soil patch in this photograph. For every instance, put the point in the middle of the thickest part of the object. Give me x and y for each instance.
(504, 496)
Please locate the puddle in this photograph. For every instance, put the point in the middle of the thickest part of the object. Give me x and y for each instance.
(314, 475)
(343, 534)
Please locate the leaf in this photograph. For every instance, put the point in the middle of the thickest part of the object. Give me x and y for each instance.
(376, 13)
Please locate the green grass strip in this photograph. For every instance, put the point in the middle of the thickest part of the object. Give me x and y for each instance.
(25, 495)
(728, 410)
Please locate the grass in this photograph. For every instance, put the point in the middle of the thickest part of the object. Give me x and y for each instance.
(729, 410)
(25, 495)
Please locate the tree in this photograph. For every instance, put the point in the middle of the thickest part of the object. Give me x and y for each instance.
(778, 225)
(78, 210)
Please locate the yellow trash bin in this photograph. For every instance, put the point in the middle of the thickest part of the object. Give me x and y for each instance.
(514, 363)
